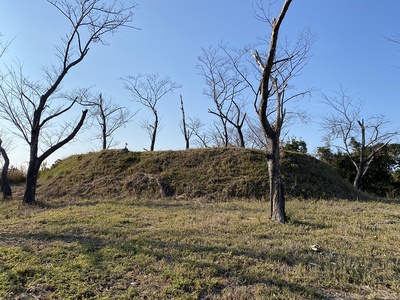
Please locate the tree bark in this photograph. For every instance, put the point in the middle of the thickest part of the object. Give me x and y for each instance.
(276, 196)
(35, 160)
(31, 181)
(184, 127)
(272, 131)
(154, 133)
(359, 176)
(5, 185)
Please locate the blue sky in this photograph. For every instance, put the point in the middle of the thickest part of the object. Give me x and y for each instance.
(351, 50)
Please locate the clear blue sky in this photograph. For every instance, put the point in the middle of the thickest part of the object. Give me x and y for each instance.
(351, 50)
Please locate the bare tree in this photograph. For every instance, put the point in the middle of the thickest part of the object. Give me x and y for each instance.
(196, 127)
(148, 90)
(187, 133)
(367, 136)
(34, 107)
(278, 67)
(5, 185)
(224, 86)
(110, 116)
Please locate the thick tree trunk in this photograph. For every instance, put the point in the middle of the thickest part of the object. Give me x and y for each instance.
(34, 164)
(277, 198)
(35, 160)
(5, 185)
(31, 181)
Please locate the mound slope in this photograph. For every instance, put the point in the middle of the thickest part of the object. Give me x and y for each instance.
(214, 173)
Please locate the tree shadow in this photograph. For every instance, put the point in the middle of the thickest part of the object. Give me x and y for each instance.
(182, 253)
(308, 224)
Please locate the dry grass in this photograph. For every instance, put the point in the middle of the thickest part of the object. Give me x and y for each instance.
(163, 249)
(216, 173)
(102, 231)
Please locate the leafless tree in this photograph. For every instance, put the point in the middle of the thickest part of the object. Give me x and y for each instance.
(349, 132)
(196, 127)
(280, 64)
(224, 86)
(35, 107)
(110, 116)
(187, 133)
(5, 185)
(148, 89)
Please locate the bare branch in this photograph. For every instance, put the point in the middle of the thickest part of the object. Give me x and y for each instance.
(148, 90)
(360, 138)
(34, 108)
(109, 116)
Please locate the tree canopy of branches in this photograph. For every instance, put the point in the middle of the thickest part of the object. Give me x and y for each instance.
(278, 67)
(110, 116)
(224, 86)
(34, 108)
(148, 89)
(351, 133)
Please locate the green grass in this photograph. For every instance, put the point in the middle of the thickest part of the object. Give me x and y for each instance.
(214, 173)
(192, 249)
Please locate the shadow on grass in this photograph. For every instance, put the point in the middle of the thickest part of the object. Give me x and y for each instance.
(227, 265)
(60, 203)
(309, 224)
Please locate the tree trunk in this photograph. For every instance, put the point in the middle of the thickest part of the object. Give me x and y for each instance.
(31, 181)
(35, 160)
(225, 136)
(104, 133)
(34, 164)
(241, 137)
(5, 185)
(360, 174)
(184, 128)
(154, 133)
(103, 123)
(276, 196)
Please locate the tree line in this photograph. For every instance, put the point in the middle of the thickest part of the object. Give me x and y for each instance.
(258, 76)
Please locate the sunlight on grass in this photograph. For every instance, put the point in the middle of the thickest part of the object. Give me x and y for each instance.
(162, 249)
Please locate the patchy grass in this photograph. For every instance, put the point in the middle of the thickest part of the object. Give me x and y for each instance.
(214, 173)
(163, 249)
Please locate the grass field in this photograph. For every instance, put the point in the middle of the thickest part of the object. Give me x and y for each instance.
(181, 249)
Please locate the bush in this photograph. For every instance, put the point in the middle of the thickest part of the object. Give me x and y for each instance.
(16, 176)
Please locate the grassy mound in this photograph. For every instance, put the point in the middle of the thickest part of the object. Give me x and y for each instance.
(216, 173)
